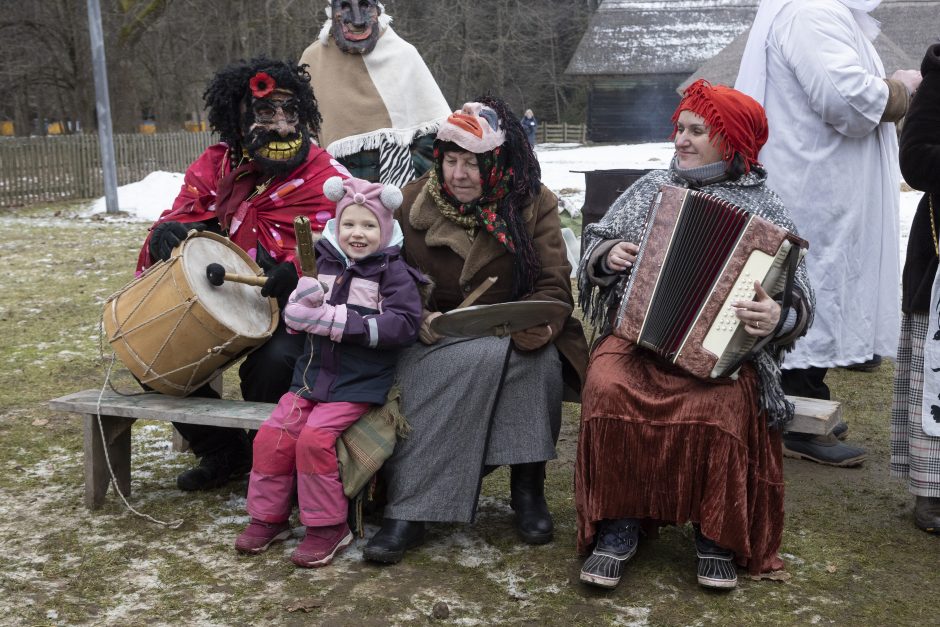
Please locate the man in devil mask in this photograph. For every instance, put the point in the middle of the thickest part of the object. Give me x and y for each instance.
(380, 104)
(249, 187)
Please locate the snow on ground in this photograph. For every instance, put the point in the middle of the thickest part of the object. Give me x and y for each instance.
(145, 199)
(562, 167)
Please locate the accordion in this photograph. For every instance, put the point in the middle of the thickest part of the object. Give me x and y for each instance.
(698, 255)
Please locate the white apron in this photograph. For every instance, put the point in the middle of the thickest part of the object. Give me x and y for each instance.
(930, 409)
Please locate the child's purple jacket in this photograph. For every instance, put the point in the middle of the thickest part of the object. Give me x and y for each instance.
(383, 315)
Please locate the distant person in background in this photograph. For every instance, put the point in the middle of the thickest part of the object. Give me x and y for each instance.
(832, 159)
(531, 125)
(381, 106)
(915, 455)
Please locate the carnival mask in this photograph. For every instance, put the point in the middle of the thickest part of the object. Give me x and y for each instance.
(475, 128)
(356, 25)
(273, 134)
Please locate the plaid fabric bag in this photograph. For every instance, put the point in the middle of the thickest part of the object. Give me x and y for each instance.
(364, 447)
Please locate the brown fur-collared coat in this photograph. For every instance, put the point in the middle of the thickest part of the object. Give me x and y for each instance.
(443, 251)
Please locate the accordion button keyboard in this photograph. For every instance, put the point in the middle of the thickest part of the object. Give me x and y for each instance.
(726, 324)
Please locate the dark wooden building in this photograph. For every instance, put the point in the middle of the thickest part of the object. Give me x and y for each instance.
(634, 55)
(638, 55)
(908, 27)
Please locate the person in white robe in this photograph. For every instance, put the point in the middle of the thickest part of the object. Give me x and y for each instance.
(832, 156)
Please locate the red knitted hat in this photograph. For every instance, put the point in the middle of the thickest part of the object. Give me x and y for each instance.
(738, 122)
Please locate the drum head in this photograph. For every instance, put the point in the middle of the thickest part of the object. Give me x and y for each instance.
(239, 307)
(499, 319)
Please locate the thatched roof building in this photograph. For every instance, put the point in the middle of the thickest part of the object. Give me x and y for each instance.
(908, 27)
(636, 54)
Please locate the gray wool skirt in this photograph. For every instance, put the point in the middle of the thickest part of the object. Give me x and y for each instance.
(470, 403)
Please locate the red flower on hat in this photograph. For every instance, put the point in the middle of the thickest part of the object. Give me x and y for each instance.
(261, 84)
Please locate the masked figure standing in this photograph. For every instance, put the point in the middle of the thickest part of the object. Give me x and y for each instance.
(249, 187)
(380, 103)
(832, 157)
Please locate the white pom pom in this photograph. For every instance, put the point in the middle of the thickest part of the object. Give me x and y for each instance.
(333, 188)
(391, 197)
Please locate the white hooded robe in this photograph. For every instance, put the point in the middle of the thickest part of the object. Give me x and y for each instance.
(836, 168)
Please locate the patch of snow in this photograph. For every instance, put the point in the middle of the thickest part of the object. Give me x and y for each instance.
(145, 199)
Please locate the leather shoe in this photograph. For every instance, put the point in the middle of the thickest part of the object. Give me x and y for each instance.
(822, 449)
(214, 471)
(527, 487)
(869, 365)
(395, 537)
(927, 513)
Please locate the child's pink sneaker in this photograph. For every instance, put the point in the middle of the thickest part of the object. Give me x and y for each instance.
(259, 535)
(321, 545)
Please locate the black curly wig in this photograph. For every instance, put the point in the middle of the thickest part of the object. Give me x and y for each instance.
(228, 91)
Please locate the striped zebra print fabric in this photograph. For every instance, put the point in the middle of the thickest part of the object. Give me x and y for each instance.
(395, 165)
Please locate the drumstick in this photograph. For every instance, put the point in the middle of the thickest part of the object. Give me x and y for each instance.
(478, 292)
(217, 275)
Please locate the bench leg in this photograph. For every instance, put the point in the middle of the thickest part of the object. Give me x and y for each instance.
(117, 441)
(180, 444)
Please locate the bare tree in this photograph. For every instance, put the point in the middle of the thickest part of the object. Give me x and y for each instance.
(161, 52)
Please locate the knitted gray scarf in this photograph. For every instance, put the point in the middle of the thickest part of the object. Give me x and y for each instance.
(626, 219)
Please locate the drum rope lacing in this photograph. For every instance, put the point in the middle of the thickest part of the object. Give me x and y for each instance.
(173, 524)
(188, 303)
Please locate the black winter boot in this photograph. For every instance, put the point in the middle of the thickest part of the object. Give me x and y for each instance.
(215, 470)
(527, 488)
(390, 543)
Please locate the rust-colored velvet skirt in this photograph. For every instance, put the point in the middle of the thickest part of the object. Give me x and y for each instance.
(660, 445)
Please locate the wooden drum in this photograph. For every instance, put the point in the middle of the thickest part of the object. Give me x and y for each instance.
(175, 331)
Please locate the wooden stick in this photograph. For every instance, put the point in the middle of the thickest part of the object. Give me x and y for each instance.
(217, 275)
(247, 279)
(304, 237)
(478, 292)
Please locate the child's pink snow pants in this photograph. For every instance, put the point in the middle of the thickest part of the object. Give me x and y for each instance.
(296, 446)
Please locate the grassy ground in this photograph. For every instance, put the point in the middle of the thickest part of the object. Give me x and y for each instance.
(852, 552)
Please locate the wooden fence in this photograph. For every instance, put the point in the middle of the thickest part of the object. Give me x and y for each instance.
(68, 167)
(43, 169)
(561, 133)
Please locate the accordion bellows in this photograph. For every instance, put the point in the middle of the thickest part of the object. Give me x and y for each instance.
(698, 255)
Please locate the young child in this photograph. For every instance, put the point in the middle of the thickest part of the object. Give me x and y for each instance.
(371, 308)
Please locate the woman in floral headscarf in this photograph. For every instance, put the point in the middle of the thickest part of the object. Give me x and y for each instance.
(657, 445)
(474, 404)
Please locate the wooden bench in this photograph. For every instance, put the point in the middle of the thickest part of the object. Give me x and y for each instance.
(118, 413)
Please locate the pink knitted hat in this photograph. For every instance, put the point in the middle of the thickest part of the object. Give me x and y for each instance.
(381, 200)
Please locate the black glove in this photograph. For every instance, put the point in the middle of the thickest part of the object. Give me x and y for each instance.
(167, 235)
(282, 279)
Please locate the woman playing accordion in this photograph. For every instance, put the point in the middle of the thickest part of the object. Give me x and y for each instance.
(657, 444)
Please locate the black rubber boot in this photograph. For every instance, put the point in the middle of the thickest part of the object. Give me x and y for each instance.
(395, 537)
(215, 470)
(527, 489)
(927, 513)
